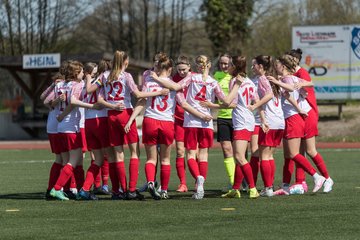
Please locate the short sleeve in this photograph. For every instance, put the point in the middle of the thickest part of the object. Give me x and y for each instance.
(131, 83)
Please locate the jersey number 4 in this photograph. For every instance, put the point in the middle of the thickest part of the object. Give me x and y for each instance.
(201, 95)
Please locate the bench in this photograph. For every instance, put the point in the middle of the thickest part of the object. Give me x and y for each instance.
(339, 103)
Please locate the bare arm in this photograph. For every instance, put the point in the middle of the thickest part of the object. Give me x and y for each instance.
(66, 111)
(90, 88)
(264, 125)
(303, 84)
(194, 112)
(117, 107)
(167, 84)
(47, 92)
(229, 98)
(294, 103)
(261, 102)
(137, 110)
(216, 105)
(141, 94)
(286, 86)
(76, 102)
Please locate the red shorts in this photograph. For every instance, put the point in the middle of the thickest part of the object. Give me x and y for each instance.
(179, 131)
(83, 137)
(242, 134)
(117, 121)
(256, 130)
(202, 136)
(55, 142)
(70, 141)
(97, 133)
(311, 124)
(157, 131)
(272, 138)
(294, 127)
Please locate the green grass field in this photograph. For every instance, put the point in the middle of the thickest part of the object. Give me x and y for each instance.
(24, 214)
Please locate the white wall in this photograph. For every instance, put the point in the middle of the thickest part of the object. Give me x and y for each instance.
(10, 130)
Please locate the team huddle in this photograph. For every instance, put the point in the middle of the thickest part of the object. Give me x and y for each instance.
(91, 110)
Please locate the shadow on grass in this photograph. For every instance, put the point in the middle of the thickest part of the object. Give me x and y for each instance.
(24, 196)
(173, 195)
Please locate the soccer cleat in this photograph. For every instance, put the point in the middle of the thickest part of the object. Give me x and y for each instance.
(226, 189)
(74, 190)
(48, 197)
(159, 189)
(328, 184)
(253, 193)
(280, 192)
(70, 195)
(233, 193)
(164, 194)
(305, 186)
(118, 196)
(318, 183)
(267, 192)
(135, 195)
(152, 190)
(182, 188)
(144, 187)
(200, 187)
(285, 187)
(85, 195)
(244, 185)
(296, 189)
(58, 194)
(104, 190)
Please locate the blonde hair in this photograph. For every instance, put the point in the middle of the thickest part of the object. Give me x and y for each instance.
(289, 62)
(117, 65)
(203, 62)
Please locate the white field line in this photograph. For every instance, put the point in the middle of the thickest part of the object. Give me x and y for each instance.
(26, 162)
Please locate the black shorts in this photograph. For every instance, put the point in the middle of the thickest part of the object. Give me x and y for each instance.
(224, 129)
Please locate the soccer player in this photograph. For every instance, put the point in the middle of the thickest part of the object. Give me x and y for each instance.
(118, 86)
(308, 144)
(224, 121)
(198, 122)
(242, 93)
(182, 70)
(158, 125)
(69, 128)
(272, 127)
(51, 128)
(294, 122)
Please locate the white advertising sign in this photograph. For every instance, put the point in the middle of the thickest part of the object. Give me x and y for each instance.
(48, 60)
(331, 54)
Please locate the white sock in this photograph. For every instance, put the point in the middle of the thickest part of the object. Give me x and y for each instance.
(315, 176)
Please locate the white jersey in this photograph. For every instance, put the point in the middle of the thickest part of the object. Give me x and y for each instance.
(119, 90)
(242, 117)
(71, 122)
(273, 111)
(158, 107)
(255, 80)
(52, 122)
(288, 108)
(92, 98)
(197, 91)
